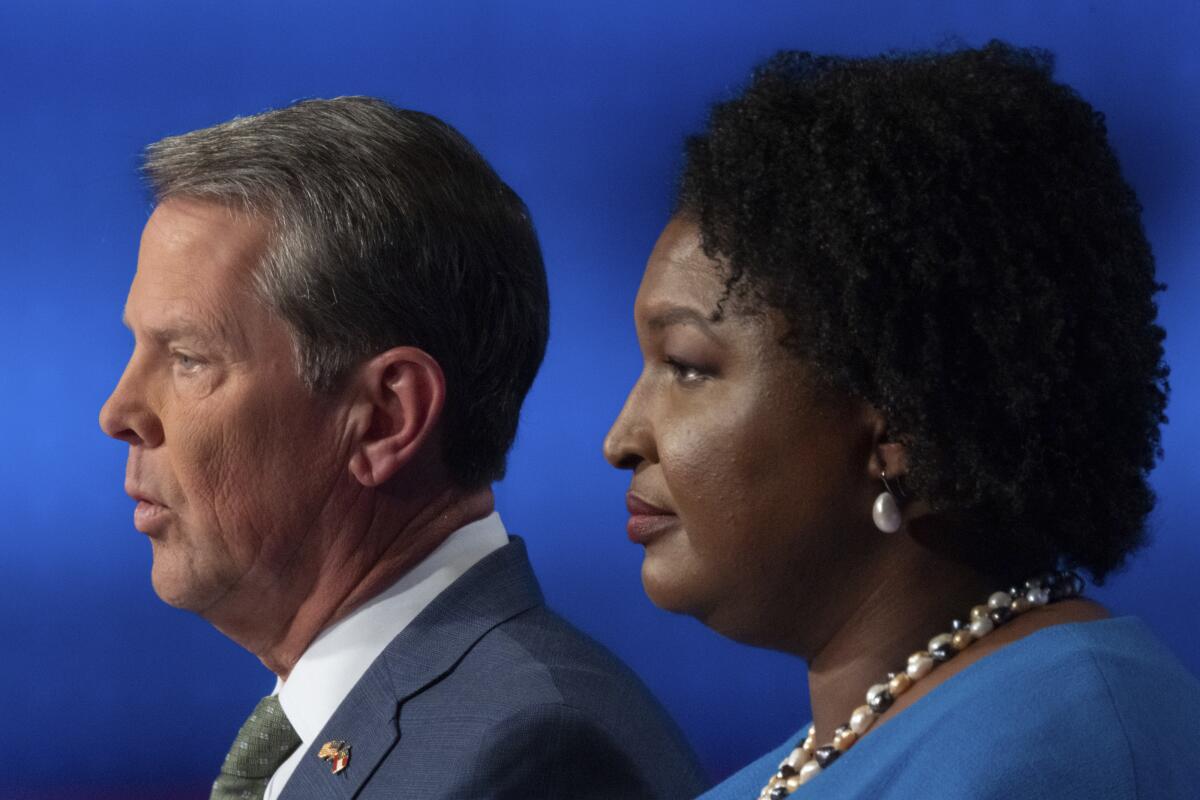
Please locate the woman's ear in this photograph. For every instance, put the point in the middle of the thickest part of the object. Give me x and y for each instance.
(892, 458)
(887, 454)
(401, 394)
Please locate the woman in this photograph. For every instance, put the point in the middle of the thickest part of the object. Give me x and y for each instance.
(901, 366)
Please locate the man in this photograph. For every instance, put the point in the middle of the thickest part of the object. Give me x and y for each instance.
(337, 312)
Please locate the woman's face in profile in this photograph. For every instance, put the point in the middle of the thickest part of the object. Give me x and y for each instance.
(748, 487)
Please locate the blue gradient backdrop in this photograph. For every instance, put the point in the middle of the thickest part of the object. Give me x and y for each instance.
(106, 692)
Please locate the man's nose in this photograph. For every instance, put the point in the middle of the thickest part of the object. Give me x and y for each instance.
(126, 415)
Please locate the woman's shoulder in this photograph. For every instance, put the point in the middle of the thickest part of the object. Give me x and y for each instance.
(1118, 698)
(1113, 668)
(1078, 710)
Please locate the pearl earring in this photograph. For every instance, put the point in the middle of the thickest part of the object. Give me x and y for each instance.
(886, 511)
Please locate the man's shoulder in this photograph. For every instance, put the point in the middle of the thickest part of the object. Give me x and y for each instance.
(491, 634)
(533, 707)
(540, 652)
(489, 693)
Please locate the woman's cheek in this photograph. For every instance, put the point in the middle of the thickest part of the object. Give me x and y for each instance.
(702, 470)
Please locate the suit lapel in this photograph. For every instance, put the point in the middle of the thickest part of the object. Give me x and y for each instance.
(366, 722)
(496, 589)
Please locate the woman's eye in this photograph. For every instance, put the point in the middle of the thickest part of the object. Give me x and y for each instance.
(684, 372)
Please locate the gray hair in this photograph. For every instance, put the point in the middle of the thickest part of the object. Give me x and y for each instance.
(388, 228)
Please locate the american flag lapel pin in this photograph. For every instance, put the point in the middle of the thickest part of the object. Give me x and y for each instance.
(337, 753)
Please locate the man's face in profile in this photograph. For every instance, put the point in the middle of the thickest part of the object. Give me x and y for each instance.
(231, 457)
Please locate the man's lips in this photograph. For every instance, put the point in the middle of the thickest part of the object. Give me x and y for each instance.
(143, 495)
(647, 521)
(150, 513)
(149, 517)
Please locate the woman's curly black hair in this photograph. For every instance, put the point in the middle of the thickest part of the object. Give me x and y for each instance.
(950, 239)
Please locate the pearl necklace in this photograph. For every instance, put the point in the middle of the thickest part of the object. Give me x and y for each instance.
(806, 759)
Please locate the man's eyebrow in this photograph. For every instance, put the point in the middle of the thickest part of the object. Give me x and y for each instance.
(176, 329)
(681, 315)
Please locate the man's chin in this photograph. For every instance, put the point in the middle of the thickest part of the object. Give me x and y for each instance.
(178, 586)
(173, 596)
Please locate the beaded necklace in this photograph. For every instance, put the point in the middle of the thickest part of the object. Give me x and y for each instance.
(806, 759)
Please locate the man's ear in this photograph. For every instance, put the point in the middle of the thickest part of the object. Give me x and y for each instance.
(401, 394)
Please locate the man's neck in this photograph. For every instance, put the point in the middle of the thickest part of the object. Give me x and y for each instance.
(352, 566)
(424, 534)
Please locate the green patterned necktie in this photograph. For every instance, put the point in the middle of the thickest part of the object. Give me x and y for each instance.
(264, 742)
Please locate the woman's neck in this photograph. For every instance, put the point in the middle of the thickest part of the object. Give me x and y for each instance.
(904, 602)
(914, 599)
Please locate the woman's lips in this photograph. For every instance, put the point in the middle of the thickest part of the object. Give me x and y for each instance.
(646, 521)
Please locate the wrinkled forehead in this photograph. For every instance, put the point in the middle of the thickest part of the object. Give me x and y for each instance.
(195, 267)
(207, 238)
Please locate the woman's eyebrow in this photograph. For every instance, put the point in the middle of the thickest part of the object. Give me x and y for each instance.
(681, 315)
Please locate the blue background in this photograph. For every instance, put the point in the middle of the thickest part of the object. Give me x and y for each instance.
(105, 691)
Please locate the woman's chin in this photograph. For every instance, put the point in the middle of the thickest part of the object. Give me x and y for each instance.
(679, 591)
(673, 590)
(668, 587)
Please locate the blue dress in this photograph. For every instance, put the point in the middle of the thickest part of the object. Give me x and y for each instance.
(1080, 711)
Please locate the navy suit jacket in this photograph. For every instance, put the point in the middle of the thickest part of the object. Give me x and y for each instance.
(489, 694)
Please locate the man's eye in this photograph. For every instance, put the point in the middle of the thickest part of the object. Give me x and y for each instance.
(684, 372)
(186, 362)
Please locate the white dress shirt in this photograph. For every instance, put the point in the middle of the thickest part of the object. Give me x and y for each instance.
(339, 656)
